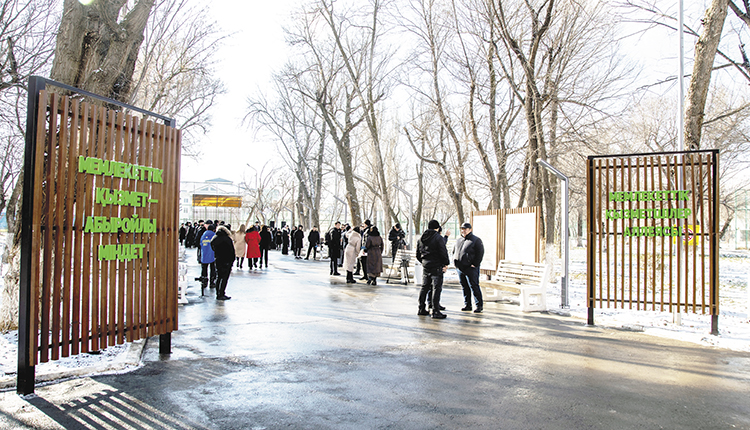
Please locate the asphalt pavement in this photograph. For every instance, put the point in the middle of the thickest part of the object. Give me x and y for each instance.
(296, 348)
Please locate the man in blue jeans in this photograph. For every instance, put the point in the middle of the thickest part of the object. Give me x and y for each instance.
(433, 255)
(467, 256)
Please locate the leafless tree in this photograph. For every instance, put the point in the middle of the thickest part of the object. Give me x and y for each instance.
(27, 32)
(175, 73)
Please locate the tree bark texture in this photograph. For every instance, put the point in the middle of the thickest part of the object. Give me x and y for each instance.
(97, 45)
(705, 51)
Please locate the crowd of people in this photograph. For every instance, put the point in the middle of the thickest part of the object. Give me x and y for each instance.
(358, 250)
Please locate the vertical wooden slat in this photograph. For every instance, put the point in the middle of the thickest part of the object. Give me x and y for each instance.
(67, 264)
(56, 189)
(693, 222)
(37, 228)
(98, 297)
(654, 186)
(685, 263)
(47, 283)
(177, 165)
(590, 247)
(701, 186)
(662, 261)
(160, 236)
(80, 299)
(607, 187)
(713, 221)
(127, 281)
(144, 213)
(638, 255)
(598, 226)
(153, 312)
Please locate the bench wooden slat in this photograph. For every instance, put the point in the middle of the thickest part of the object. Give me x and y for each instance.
(527, 279)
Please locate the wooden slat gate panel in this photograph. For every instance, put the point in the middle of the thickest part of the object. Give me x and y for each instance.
(653, 222)
(104, 229)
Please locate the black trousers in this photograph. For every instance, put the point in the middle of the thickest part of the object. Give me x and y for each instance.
(204, 272)
(432, 284)
(314, 250)
(263, 255)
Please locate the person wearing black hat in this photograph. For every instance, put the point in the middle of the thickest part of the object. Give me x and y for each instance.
(433, 255)
(467, 256)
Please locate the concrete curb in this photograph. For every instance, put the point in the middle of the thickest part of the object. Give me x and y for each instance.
(131, 358)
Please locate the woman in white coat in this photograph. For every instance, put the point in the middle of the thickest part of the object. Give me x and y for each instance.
(351, 253)
(239, 245)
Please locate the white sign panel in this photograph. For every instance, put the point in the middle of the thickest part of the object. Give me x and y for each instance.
(520, 234)
(485, 228)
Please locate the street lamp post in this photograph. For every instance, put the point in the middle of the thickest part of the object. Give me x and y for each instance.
(563, 231)
(411, 213)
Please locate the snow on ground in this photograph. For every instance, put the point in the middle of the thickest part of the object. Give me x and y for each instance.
(734, 322)
(734, 303)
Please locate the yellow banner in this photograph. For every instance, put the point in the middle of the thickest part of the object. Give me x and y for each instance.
(217, 201)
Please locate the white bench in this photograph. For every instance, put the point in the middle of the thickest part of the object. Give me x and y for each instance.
(529, 280)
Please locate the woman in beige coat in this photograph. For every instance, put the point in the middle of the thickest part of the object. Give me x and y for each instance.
(351, 253)
(239, 245)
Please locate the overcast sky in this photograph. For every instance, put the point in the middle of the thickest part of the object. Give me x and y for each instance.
(246, 61)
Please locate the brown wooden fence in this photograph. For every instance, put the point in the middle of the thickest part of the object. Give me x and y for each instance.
(105, 217)
(653, 232)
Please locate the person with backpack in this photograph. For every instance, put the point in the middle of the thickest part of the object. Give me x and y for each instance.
(433, 255)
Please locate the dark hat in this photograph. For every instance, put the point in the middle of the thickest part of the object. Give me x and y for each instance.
(466, 225)
(433, 224)
(398, 226)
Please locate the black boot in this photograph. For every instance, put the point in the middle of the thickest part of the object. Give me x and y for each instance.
(350, 278)
(373, 281)
(422, 311)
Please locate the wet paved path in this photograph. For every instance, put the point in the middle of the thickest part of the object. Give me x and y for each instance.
(295, 348)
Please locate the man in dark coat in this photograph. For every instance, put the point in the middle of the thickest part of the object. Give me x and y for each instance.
(433, 255)
(299, 239)
(190, 236)
(285, 240)
(183, 232)
(199, 234)
(223, 247)
(396, 237)
(333, 243)
(313, 238)
(467, 256)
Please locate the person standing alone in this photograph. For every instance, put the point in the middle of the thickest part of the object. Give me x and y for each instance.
(467, 256)
(433, 255)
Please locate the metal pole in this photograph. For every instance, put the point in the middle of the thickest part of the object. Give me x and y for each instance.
(681, 80)
(563, 231)
(411, 213)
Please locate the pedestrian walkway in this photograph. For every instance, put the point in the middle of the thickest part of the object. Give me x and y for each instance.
(295, 348)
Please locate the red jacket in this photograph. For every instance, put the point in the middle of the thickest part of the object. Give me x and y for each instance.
(253, 244)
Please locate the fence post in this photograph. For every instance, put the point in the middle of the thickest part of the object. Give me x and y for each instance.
(26, 357)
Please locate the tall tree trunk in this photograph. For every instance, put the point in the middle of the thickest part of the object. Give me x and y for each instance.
(96, 52)
(705, 52)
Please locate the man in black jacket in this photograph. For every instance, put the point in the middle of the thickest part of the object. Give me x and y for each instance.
(433, 255)
(223, 247)
(467, 256)
(314, 239)
(333, 242)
